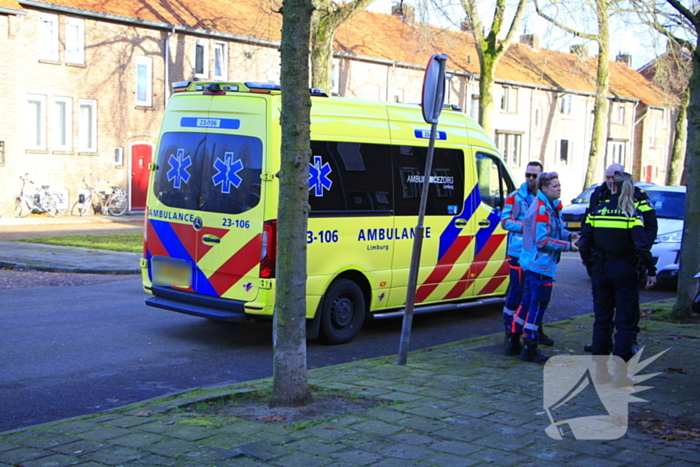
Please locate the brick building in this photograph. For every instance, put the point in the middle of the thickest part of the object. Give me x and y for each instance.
(87, 83)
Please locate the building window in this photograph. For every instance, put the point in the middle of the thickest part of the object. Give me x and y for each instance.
(620, 117)
(62, 123)
(48, 37)
(537, 121)
(87, 126)
(509, 100)
(220, 61)
(652, 133)
(664, 119)
(144, 81)
(36, 121)
(335, 77)
(565, 104)
(474, 108)
(617, 153)
(201, 70)
(75, 40)
(509, 145)
(564, 152)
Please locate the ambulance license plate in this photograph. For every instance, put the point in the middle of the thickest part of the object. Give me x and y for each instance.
(574, 225)
(171, 272)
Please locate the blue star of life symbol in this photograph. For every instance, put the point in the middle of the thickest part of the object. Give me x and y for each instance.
(227, 172)
(318, 176)
(178, 168)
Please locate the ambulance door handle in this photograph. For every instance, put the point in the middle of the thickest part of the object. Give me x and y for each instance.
(211, 240)
(485, 223)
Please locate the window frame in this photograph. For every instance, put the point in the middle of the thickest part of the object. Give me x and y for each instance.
(204, 44)
(36, 122)
(652, 133)
(566, 105)
(143, 60)
(67, 132)
(335, 77)
(569, 146)
(223, 75)
(48, 40)
(75, 53)
(92, 126)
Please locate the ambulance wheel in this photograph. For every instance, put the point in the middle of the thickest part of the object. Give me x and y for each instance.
(343, 312)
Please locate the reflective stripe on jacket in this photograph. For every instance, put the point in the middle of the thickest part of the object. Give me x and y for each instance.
(544, 236)
(516, 206)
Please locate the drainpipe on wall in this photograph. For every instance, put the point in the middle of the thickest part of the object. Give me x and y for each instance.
(166, 75)
(634, 126)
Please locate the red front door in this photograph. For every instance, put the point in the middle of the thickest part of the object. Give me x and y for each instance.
(141, 156)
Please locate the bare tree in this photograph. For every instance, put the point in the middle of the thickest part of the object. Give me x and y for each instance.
(690, 246)
(327, 17)
(602, 10)
(290, 383)
(671, 71)
(490, 48)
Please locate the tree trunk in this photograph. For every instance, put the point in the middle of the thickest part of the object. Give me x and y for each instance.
(600, 110)
(486, 94)
(690, 246)
(326, 19)
(290, 384)
(675, 170)
(321, 52)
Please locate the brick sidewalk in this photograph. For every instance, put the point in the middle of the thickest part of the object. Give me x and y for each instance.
(459, 404)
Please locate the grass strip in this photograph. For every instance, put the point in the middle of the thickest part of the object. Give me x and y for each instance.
(128, 243)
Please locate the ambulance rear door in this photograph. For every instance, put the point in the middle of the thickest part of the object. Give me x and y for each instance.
(210, 169)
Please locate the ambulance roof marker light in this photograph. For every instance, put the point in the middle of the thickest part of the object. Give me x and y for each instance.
(263, 88)
(180, 86)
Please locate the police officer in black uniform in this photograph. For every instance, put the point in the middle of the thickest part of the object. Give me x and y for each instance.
(612, 244)
(602, 194)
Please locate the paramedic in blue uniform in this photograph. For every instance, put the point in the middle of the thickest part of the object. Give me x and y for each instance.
(544, 238)
(603, 193)
(612, 243)
(516, 205)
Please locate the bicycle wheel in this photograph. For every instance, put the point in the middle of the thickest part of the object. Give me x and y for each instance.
(24, 205)
(116, 205)
(54, 205)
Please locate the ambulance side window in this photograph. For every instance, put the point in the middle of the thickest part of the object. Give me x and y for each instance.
(446, 193)
(349, 178)
(494, 182)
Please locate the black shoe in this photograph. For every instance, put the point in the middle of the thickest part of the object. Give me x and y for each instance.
(588, 348)
(620, 377)
(513, 345)
(602, 375)
(635, 347)
(531, 353)
(543, 338)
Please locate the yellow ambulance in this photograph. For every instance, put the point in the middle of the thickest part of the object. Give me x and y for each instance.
(209, 241)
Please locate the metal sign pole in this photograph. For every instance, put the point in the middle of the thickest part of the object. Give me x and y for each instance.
(433, 97)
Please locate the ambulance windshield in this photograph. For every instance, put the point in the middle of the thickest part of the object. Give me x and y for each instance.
(209, 172)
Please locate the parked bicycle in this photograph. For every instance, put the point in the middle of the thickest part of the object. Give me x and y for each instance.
(40, 200)
(101, 202)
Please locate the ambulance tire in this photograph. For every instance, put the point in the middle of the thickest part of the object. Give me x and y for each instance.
(343, 312)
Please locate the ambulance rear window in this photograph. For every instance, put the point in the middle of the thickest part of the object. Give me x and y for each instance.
(209, 172)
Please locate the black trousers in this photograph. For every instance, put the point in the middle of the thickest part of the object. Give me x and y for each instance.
(616, 306)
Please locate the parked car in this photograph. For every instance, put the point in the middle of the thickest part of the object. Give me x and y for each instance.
(574, 214)
(669, 202)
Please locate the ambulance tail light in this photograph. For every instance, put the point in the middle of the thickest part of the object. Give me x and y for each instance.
(145, 233)
(268, 253)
